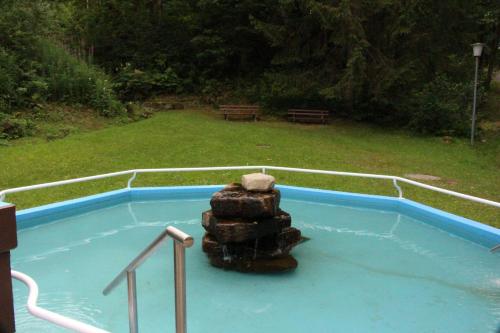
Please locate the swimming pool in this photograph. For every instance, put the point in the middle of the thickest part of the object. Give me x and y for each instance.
(372, 264)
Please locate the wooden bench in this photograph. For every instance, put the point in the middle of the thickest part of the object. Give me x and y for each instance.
(308, 116)
(240, 111)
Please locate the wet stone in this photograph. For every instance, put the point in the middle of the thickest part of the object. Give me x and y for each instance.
(246, 231)
(266, 247)
(239, 230)
(262, 265)
(237, 202)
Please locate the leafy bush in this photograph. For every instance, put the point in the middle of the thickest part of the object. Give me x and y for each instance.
(441, 107)
(8, 78)
(49, 74)
(53, 75)
(13, 128)
(278, 92)
(65, 78)
(134, 84)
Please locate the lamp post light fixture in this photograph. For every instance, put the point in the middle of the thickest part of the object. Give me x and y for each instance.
(477, 50)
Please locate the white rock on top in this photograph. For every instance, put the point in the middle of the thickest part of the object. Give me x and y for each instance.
(258, 182)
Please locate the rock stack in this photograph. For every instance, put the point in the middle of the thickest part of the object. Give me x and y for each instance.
(246, 230)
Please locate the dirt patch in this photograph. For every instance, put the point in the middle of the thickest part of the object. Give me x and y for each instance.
(418, 176)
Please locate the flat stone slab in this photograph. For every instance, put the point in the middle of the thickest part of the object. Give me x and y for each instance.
(234, 201)
(270, 265)
(418, 176)
(272, 246)
(258, 182)
(238, 230)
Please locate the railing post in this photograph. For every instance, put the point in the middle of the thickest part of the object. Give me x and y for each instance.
(8, 241)
(398, 188)
(129, 183)
(180, 287)
(132, 302)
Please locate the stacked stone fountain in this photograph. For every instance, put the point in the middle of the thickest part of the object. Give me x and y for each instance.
(246, 230)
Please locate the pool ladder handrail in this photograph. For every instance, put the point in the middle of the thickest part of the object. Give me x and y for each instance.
(181, 241)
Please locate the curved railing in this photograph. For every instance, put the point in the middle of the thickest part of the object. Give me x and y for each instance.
(135, 172)
(47, 315)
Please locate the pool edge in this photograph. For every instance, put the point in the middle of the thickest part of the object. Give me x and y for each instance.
(474, 231)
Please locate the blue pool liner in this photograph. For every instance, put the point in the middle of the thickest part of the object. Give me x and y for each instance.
(468, 229)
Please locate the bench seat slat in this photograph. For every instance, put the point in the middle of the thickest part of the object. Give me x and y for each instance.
(305, 115)
(236, 109)
(308, 112)
(238, 106)
(240, 111)
(240, 114)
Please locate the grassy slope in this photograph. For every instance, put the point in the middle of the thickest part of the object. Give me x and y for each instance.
(188, 138)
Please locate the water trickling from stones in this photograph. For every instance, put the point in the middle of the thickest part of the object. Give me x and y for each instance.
(247, 231)
(225, 253)
(255, 248)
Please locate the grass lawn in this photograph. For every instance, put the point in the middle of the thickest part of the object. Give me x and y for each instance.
(199, 138)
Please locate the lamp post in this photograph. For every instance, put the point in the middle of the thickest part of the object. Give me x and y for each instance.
(477, 49)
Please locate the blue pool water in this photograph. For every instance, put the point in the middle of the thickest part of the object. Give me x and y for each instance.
(363, 270)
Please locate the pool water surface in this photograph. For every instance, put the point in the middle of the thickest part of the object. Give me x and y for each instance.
(363, 270)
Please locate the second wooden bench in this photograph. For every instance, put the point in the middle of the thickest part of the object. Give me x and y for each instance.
(308, 116)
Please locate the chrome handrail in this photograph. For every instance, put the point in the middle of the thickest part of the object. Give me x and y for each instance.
(181, 241)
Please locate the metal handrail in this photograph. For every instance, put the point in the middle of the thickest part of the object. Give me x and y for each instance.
(395, 179)
(47, 315)
(116, 174)
(135, 172)
(181, 241)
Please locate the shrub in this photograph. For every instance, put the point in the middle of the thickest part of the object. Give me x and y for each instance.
(134, 84)
(12, 128)
(8, 78)
(442, 106)
(72, 81)
(34, 69)
(278, 92)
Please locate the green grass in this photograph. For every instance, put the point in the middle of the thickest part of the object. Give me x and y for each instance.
(197, 138)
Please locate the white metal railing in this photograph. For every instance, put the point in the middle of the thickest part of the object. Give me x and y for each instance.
(181, 241)
(135, 172)
(81, 327)
(47, 315)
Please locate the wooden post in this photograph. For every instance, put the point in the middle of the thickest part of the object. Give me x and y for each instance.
(8, 241)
